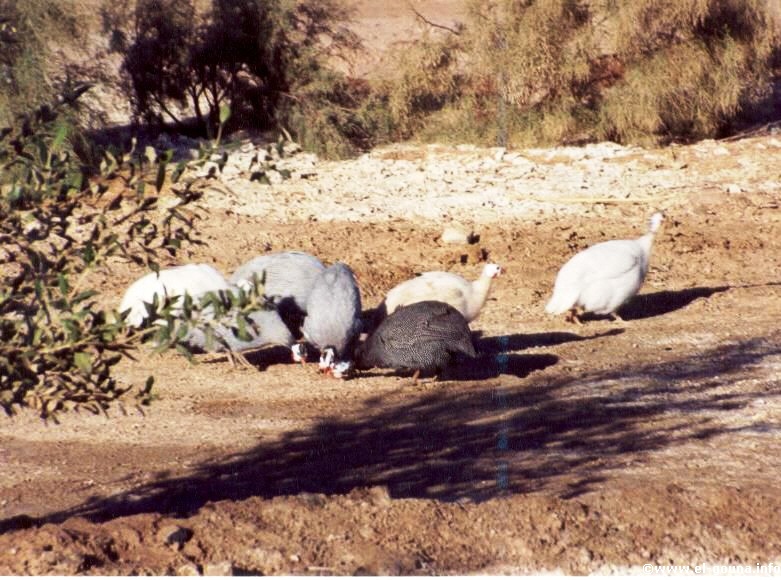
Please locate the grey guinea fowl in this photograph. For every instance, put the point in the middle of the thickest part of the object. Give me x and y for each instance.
(288, 278)
(269, 330)
(333, 316)
(423, 337)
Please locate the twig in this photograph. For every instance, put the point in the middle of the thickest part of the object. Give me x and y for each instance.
(429, 22)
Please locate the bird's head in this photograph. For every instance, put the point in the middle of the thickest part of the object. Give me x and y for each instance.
(343, 369)
(299, 352)
(492, 270)
(655, 221)
(327, 359)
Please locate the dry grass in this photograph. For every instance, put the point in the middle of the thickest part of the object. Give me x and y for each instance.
(568, 71)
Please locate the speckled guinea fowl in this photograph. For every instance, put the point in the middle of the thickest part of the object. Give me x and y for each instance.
(333, 319)
(423, 337)
(288, 279)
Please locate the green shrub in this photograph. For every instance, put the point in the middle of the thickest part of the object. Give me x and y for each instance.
(26, 30)
(58, 225)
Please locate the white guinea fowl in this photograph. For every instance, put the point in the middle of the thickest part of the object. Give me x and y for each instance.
(197, 280)
(604, 276)
(465, 296)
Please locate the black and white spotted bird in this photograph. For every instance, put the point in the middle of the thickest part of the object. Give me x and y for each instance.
(424, 337)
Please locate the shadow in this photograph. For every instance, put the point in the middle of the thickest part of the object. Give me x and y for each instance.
(512, 342)
(659, 303)
(481, 368)
(261, 358)
(372, 317)
(553, 432)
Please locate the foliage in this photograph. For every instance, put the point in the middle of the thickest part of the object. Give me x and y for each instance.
(268, 59)
(26, 28)
(58, 346)
(569, 70)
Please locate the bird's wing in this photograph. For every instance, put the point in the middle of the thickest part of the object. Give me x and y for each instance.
(611, 259)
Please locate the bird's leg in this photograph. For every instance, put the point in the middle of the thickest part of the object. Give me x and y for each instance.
(573, 316)
(617, 317)
(237, 357)
(415, 376)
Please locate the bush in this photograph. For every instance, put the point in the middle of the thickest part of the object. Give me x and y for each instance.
(567, 71)
(58, 347)
(26, 28)
(268, 59)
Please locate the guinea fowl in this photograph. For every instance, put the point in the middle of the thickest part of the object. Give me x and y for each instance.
(288, 278)
(197, 280)
(333, 318)
(602, 277)
(423, 337)
(466, 297)
(194, 279)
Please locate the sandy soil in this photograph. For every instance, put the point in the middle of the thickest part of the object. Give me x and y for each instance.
(577, 449)
(599, 448)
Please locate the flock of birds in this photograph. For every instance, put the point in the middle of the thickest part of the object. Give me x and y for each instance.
(421, 326)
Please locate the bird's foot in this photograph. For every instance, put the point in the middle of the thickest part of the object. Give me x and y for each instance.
(239, 360)
(573, 317)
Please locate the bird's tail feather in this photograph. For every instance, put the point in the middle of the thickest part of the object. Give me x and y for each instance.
(561, 301)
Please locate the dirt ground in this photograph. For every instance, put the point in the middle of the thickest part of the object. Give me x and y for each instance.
(599, 448)
(575, 449)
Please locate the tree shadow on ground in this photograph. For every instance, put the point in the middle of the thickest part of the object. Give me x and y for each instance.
(554, 433)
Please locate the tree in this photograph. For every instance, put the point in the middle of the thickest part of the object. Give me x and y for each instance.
(250, 54)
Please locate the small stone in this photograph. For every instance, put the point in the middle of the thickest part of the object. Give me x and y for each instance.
(733, 188)
(452, 235)
(379, 495)
(188, 569)
(218, 569)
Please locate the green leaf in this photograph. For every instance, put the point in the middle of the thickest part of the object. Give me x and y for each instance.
(83, 361)
(59, 136)
(62, 283)
(160, 180)
(84, 295)
(183, 350)
(225, 113)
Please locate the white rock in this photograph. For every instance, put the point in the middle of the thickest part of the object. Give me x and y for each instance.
(218, 569)
(188, 569)
(454, 235)
(733, 188)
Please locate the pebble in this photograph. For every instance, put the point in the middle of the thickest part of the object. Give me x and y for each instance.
(188, 569)
(218, 569)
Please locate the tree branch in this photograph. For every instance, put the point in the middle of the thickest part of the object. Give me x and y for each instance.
(429, 22)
